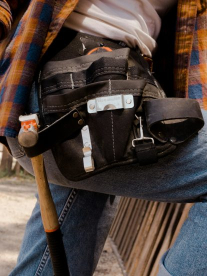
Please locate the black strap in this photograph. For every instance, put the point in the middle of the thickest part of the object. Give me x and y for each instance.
(146, 153)
(57, 132)
(57, 253)
(173, 119)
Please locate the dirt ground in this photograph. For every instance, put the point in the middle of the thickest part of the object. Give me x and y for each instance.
(16, 203)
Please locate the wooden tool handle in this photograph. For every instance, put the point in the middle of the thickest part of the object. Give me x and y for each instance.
(50, 219)
(28, 137)
(47, 206)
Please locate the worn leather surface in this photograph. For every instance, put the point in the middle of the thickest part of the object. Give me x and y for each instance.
(68, 83)
(173, 119)
(56, 133)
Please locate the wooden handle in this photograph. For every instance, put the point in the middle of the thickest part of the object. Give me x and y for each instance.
(47, 206)
(50, 219)
(28, 137)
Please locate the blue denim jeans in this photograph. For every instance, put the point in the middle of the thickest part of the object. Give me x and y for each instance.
(188, 255)
(86, 216)
(85, 219)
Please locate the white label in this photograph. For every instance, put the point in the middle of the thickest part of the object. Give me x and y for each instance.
(111, 102)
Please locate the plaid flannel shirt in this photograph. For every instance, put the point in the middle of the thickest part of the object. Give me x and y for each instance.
(190, 67)
(41, 23)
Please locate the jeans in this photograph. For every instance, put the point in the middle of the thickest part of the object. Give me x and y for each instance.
(86, 216)
(188, 255)
(85, 219)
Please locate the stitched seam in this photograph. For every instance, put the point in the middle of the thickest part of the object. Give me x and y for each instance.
(94, 75)
(70, 200)
(112, 125)
(135, 77)
(107, 69)
(62, 83)
(60, 69)
(43, 262)
(48, 109)
(47, 89)
(96, 41)
(100, 93)
(102, 68)
(19, 152)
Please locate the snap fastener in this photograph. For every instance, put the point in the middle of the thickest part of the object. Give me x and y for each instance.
(128, 101)
(80, 122)
(75, 114)
(173, 140)
(85, 128)
(92, 106)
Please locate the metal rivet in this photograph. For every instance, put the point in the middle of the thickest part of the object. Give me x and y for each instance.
(88, 145)
(92, 106)
(161, 135)
(85, 128)
(128, 101)
(173, 139)
(80, 122)
(75, 114)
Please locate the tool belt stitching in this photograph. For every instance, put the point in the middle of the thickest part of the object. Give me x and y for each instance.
(77, 103)
(150, 128)
(54, 87)
(47, 89)
(103, 93)
(57, 70)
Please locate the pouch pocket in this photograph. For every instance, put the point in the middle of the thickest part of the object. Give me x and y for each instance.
(107, 100)
(110, 130)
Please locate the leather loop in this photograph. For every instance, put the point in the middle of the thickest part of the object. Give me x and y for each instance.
(146, 153)
(173, 119)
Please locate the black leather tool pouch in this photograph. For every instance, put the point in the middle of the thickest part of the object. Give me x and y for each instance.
(105, 109)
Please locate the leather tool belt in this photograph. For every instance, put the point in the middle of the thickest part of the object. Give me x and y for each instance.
(104, 108)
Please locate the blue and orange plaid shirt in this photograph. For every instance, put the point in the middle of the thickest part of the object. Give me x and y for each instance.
(41, 23)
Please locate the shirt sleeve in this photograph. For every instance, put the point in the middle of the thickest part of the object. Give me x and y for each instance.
(5, 18)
